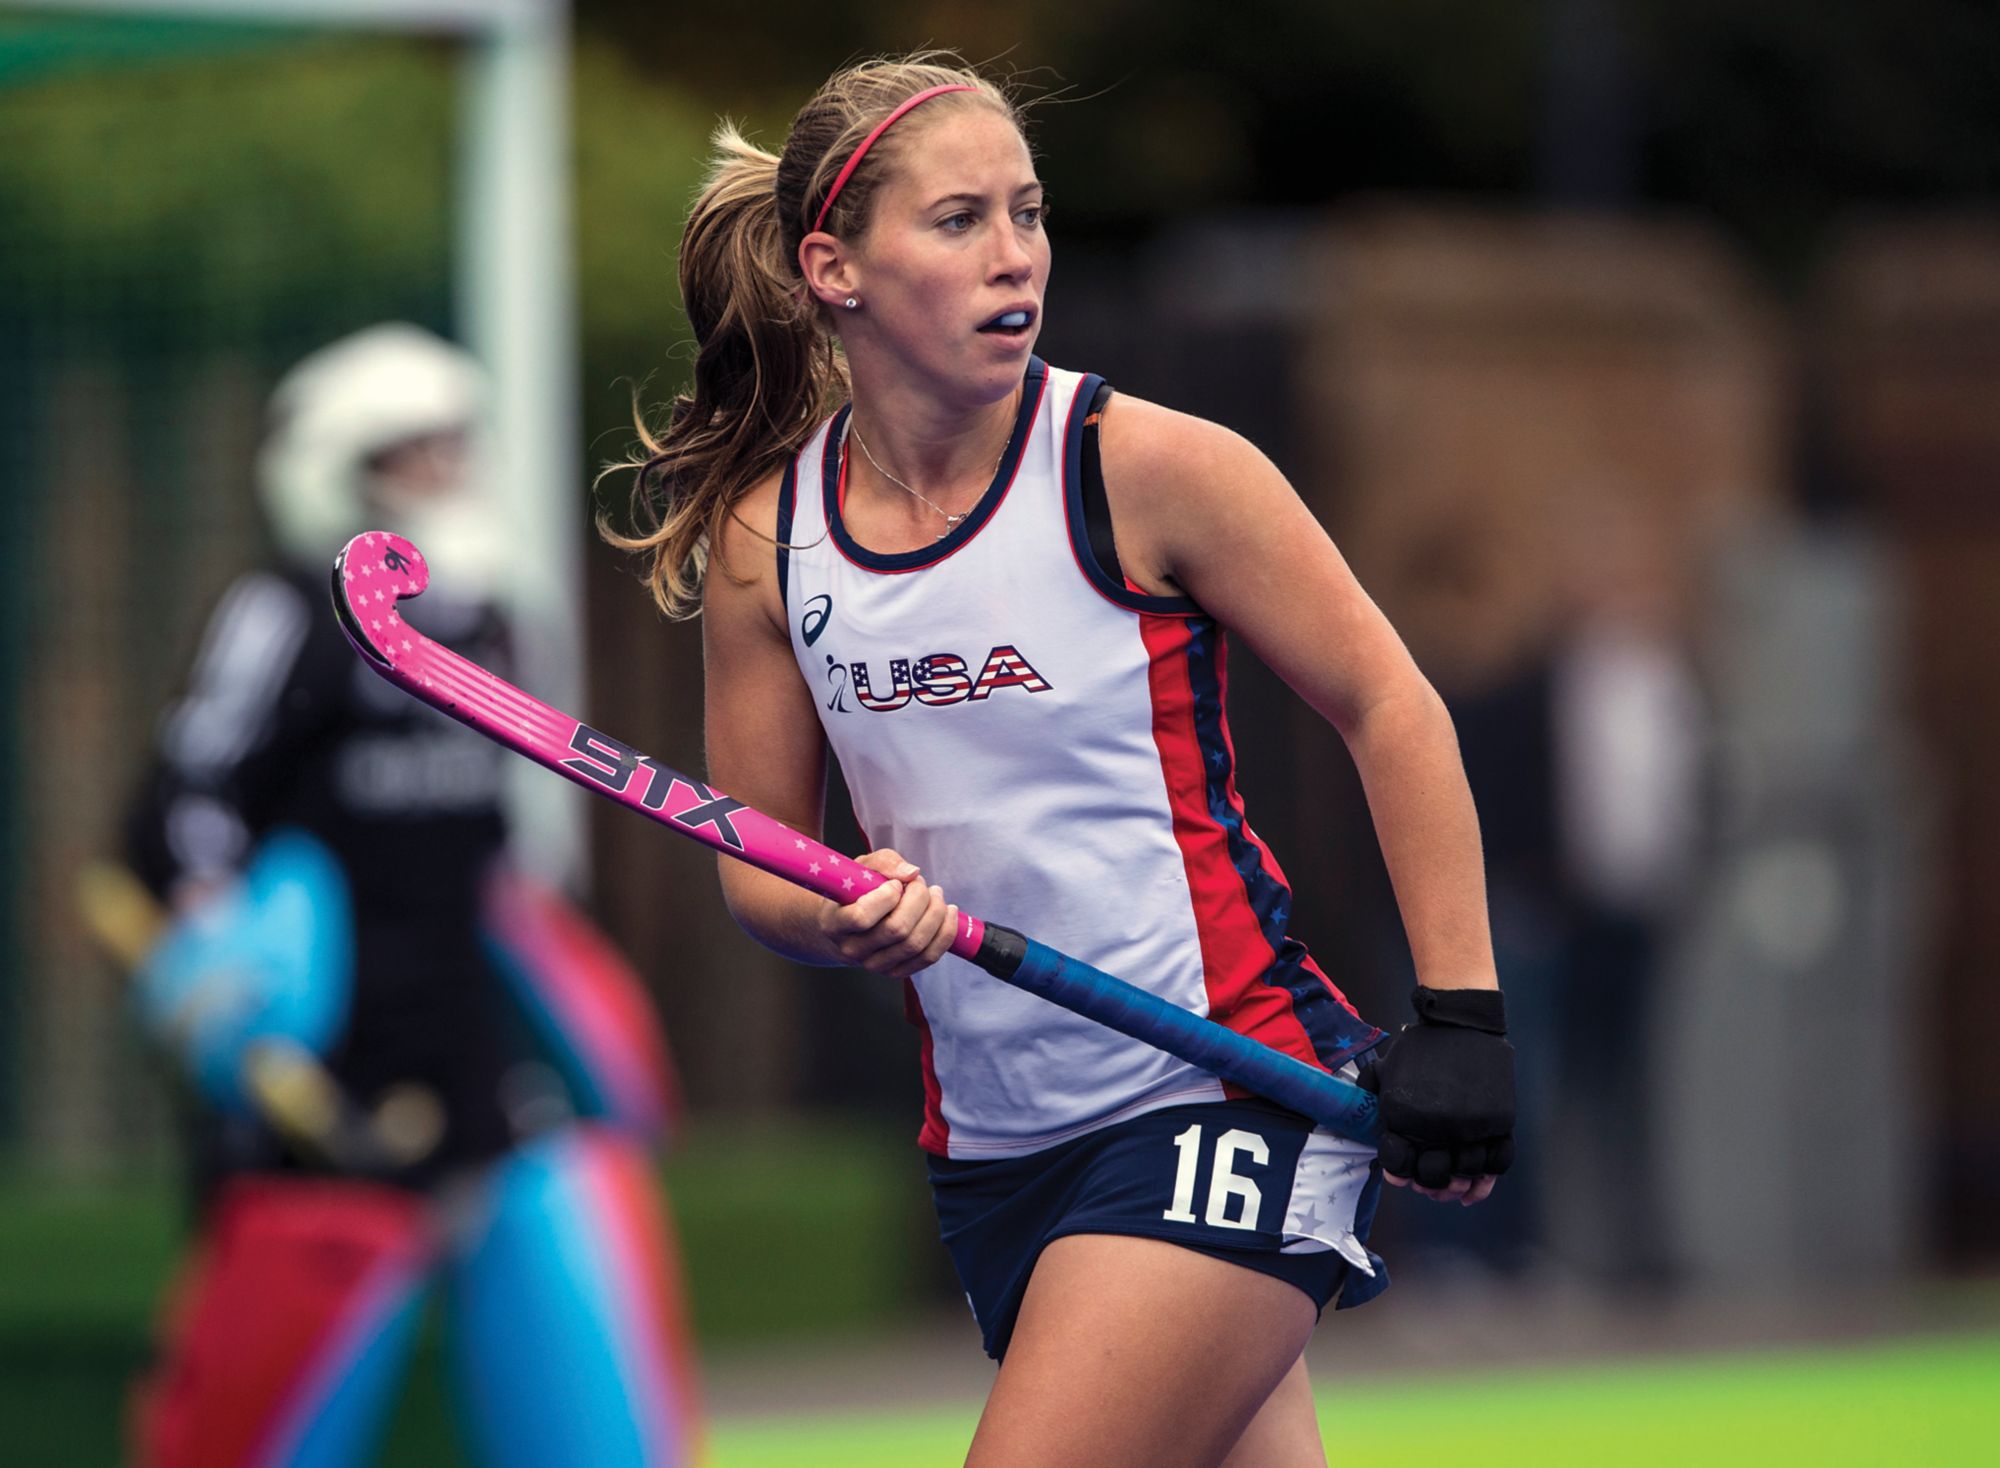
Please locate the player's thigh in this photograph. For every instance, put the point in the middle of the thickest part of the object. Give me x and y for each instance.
(1133, 1351)
(292, 1329)
(1285, 1432)
(563, 1319)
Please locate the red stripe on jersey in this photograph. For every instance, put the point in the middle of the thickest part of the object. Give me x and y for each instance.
(1265, 856)
(936, 1133)
(1234, 953)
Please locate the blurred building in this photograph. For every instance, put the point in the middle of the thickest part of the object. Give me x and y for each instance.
(1491, 411)
(1907, 328)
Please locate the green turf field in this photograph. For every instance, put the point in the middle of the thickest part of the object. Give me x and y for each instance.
(1929, 1402)
(80, 1270)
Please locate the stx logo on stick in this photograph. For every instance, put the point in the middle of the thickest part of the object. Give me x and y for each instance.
(714, 810)
(612, 763)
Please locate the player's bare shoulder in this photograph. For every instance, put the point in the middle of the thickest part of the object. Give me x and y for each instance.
(749, 530)
(1168, 476)
(1144, 443)
(742, 564)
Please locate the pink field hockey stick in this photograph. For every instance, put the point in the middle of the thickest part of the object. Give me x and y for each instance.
(378, 570)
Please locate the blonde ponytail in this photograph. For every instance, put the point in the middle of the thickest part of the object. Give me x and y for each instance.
(764, 374)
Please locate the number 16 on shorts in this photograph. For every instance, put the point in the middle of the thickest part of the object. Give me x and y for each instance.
(1233, 1200)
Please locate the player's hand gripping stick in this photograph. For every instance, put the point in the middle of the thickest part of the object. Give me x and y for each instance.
(1447, 1089)
(378, 570)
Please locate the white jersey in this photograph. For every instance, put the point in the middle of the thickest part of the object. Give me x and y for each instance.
(1048, 744)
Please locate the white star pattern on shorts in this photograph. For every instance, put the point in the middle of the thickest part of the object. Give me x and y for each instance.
(1327, 1181)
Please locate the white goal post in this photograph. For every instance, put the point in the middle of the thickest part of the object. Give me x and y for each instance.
(515, 309)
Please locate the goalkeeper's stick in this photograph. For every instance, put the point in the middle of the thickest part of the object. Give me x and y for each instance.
(378, 570)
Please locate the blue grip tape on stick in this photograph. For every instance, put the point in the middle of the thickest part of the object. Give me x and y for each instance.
(1075, 985)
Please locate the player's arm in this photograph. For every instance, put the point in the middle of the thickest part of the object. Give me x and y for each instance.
(1199, 511)
(766, 749)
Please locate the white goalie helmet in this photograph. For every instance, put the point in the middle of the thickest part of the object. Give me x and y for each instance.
(338, 409)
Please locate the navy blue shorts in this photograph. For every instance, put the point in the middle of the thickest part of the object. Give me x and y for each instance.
(1244, 1181)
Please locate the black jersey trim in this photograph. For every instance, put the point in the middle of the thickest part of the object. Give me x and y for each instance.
(1090, 484)
(1088, 510)
(1033, 386)
(788, 489)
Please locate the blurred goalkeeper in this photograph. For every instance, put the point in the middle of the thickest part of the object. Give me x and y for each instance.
(330, 854)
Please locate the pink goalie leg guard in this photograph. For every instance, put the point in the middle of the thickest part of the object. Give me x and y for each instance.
(288, 1333)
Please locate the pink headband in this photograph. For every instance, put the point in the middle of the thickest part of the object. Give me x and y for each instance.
(847, 172)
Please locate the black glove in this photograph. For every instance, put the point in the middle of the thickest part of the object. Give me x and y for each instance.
(1447, 1089)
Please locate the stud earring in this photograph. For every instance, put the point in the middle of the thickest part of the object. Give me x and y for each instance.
(852, 303)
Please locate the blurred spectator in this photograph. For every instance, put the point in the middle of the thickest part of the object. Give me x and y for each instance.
(1501, 706)
(1584, 756)
(1628, 731)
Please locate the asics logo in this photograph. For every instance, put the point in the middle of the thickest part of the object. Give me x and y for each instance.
(818, 609)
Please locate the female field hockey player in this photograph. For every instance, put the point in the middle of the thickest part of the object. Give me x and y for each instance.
(999, 591)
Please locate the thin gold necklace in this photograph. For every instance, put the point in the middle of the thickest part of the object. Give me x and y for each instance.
(950, 521)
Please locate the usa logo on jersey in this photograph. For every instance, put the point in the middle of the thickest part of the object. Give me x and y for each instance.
(936, 679)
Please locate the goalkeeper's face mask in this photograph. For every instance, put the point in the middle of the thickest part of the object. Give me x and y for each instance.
(417, 471)
(430, 489)
(379, 431)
